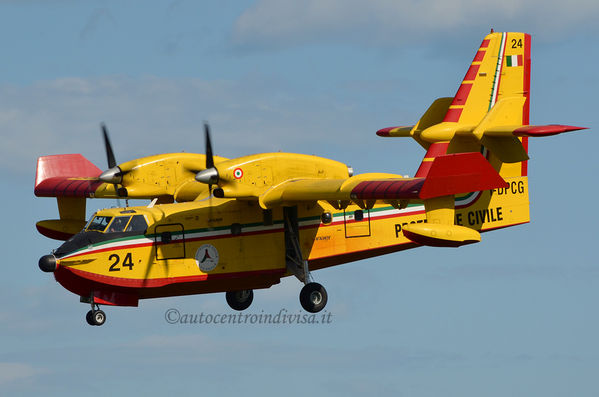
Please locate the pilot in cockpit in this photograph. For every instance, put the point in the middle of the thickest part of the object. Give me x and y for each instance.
(118, 224)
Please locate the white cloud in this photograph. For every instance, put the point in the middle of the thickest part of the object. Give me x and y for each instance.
(151, 115)
(281, 23)
(15, 371)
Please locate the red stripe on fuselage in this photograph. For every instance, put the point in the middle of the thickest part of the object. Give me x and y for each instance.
(161, 282)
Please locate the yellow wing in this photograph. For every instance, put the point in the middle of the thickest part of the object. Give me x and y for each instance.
(449, 174)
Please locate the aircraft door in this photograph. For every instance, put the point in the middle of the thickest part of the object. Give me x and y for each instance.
(169, 241)
(357, 223)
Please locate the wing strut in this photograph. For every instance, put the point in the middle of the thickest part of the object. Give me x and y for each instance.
(294, 260)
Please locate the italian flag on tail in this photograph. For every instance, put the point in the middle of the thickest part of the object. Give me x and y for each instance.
(513, 60)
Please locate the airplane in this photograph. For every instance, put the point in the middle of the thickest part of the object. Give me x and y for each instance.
(235, 225)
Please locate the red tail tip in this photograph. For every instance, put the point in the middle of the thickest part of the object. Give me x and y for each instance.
(385, 131)
(545, 130)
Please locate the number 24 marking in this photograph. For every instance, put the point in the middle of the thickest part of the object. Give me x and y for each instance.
(516, 43)
(115, 259)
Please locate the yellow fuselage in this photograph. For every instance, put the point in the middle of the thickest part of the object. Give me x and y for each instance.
(166, 260)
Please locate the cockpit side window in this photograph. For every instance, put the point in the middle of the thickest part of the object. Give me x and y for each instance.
(138, 224)
(99, 223)
(118, 224)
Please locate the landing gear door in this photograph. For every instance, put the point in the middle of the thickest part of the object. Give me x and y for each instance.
(169, 241)
(357, 223)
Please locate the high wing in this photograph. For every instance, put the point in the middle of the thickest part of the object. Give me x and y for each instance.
(449, 175)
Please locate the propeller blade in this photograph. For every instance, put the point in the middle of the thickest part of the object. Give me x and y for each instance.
(113, 174)
(209, 175)
(108, 146)
(209, 155)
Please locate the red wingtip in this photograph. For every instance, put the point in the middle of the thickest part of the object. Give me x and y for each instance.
(545, 130)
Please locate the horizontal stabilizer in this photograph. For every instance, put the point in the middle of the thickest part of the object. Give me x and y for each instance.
(395, 131)
(529, 130)
(545, 130)
(433, 115)
(503, 140)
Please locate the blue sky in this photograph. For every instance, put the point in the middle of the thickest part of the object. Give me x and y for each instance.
(513, 315)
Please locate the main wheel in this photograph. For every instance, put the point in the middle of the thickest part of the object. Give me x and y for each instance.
(98, 317)
(313, 297)
(89, 318)
(240, 300)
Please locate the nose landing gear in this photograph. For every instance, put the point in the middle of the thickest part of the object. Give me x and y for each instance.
(95, 316)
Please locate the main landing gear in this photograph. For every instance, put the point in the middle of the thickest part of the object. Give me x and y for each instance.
(313, 296)
(240, 300)
(95, 316)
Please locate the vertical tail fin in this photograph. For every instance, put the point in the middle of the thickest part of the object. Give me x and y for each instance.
(500, 69)
(498, 77)
(489, 114)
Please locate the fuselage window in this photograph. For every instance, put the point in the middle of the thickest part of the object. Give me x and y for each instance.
(359, 215)
(138, 224)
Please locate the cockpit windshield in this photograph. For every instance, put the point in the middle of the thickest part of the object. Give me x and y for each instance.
(109, 224)
(98, 223)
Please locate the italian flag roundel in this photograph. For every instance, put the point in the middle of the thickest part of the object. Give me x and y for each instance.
(513, 60)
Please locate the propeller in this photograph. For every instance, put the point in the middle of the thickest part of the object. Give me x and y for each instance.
(210, 175)
(108, 146)
(113, 174)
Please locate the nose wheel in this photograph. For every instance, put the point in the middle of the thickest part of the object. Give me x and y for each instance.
(95, 316)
